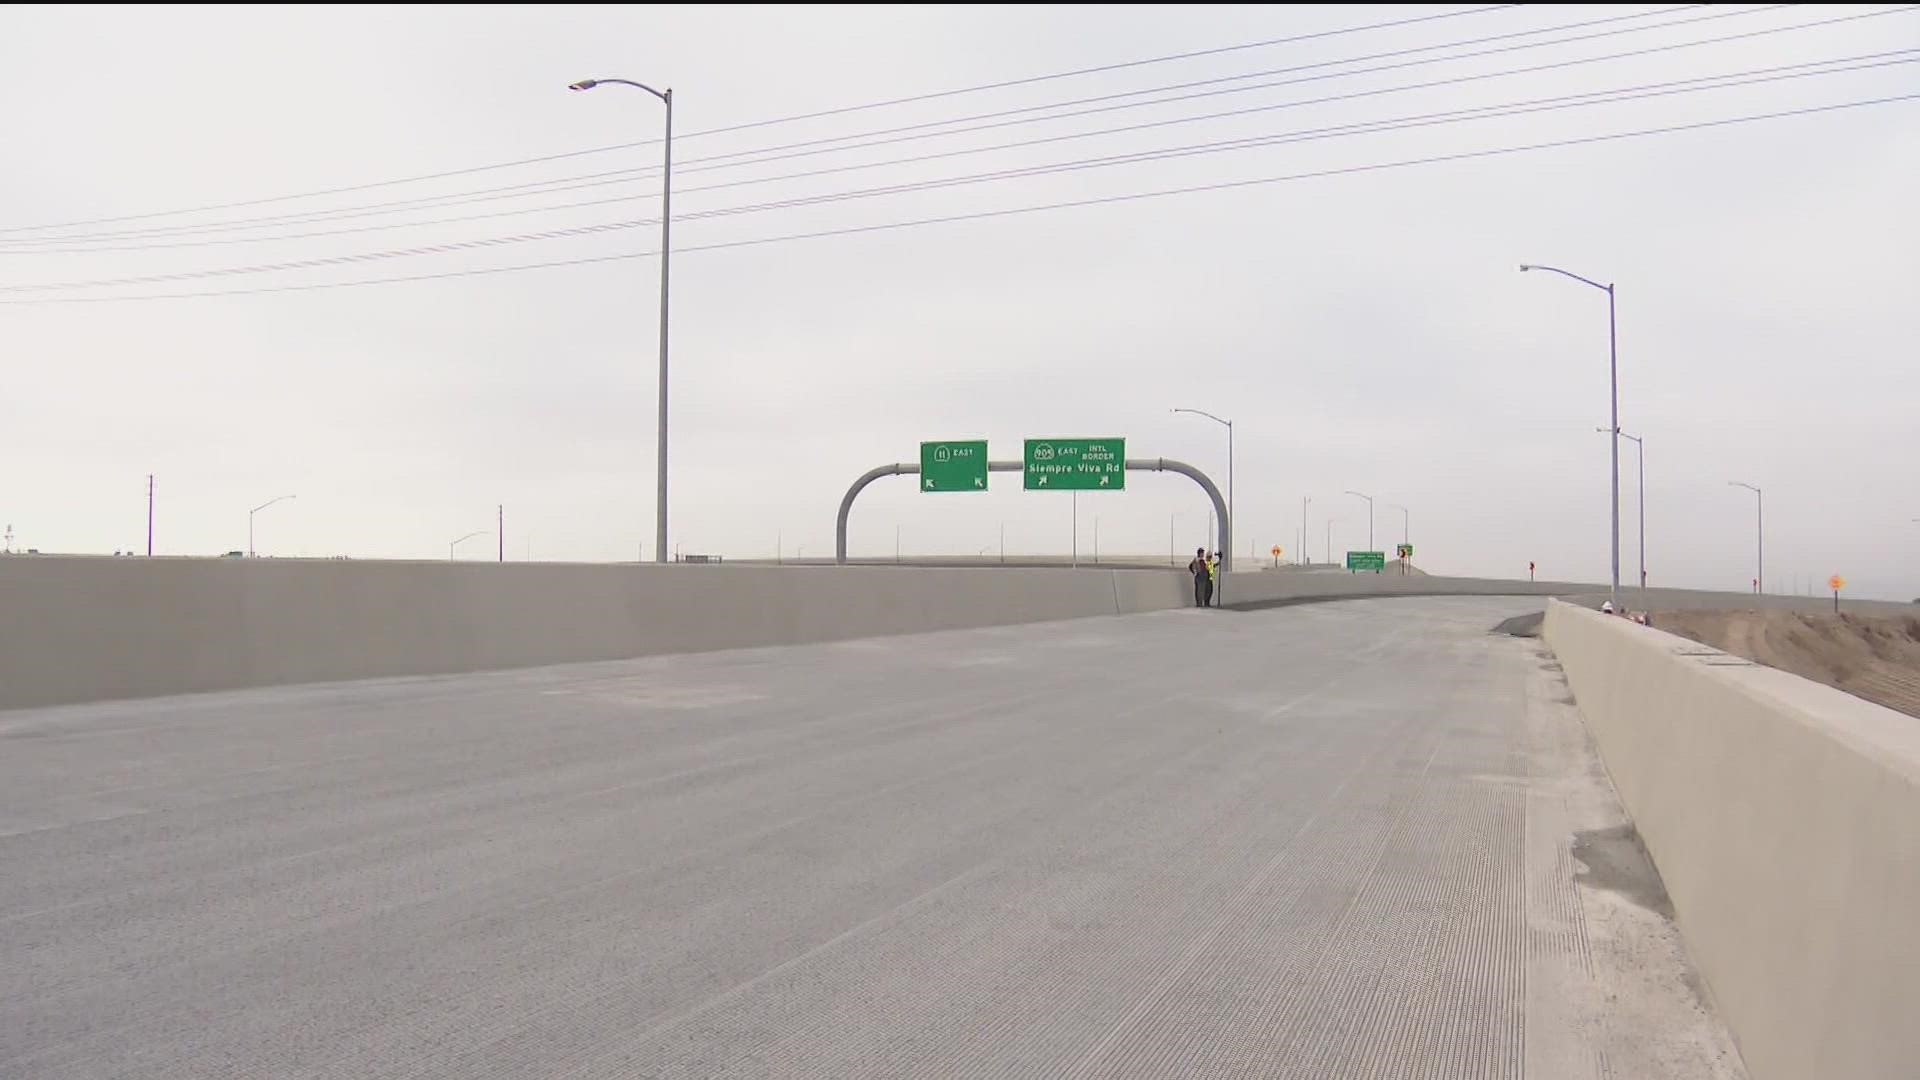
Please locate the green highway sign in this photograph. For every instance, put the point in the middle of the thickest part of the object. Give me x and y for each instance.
(1405, 551)
(1366, 560)
(1076, 464)
(953, 466)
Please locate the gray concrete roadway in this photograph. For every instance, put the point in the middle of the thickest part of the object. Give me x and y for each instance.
(1356, 839)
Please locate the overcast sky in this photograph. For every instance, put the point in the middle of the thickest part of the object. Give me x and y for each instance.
(1365, 330)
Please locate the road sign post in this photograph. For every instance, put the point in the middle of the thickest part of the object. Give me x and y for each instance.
(953, 466)
(1405, 552)
(1375, 561)
(1836, 583)
(1075, 465)
(1277, 552)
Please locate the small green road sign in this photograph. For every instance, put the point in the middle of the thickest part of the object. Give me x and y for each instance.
(1076, 464)
(1405, 551)
(1366, 560)
(953, 466)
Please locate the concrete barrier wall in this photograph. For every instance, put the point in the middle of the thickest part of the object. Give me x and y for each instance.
(1784, 817)
(85, 629)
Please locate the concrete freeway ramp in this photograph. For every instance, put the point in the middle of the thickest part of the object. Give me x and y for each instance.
(1359, 839)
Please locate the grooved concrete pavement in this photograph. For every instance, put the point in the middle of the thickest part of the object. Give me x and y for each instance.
(1307, 842)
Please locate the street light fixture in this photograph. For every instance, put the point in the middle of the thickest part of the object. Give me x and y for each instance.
(1406, 522)
(462, 540)
(666, 250)
(1613, 384)
(1759, 532)
(255, 510)
(1369, 499)
(1226, 553)
(1640, 456)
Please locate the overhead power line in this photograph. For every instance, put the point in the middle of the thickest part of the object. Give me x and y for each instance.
(864, 106)
(1022, 210)
(1378, 91)
(736, 160)
(625, 176)
(1027, 111)
(1729, 80)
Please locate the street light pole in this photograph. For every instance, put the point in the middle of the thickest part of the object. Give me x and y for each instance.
(1306, 557)
(1226, 555)
(255, 510)
(1369, 499)
(1640, 456)
(1760, 534)
(1406, 531)
(462, 540)
(1329, 548)
(666, 251)
(1613, 385)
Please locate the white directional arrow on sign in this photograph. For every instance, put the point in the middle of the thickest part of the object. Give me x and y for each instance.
(977, 482)
(929, 483)
(1043, 481)
(1105, 480)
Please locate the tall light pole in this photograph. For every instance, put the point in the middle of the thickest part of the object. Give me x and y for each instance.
(666, 251)
(1640, 455)
(255, 510)
(1306, 558)
(1613, 385)
(1329, 547)
(1369, 499)
(1226, 555)
(462, 540)
(1759, 534)
(1406, 530)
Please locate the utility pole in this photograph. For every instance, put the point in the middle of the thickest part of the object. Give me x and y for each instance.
(500, 529)
(149, 515)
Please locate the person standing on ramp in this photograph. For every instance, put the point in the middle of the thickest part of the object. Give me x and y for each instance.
(1202, 578)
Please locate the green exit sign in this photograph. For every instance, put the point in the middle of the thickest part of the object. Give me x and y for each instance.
(953, 466)
(1366, 560)
(1076, 464)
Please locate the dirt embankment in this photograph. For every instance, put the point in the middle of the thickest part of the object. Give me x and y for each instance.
(1873, 657)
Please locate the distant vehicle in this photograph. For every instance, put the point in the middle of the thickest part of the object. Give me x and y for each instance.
(234, 555)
